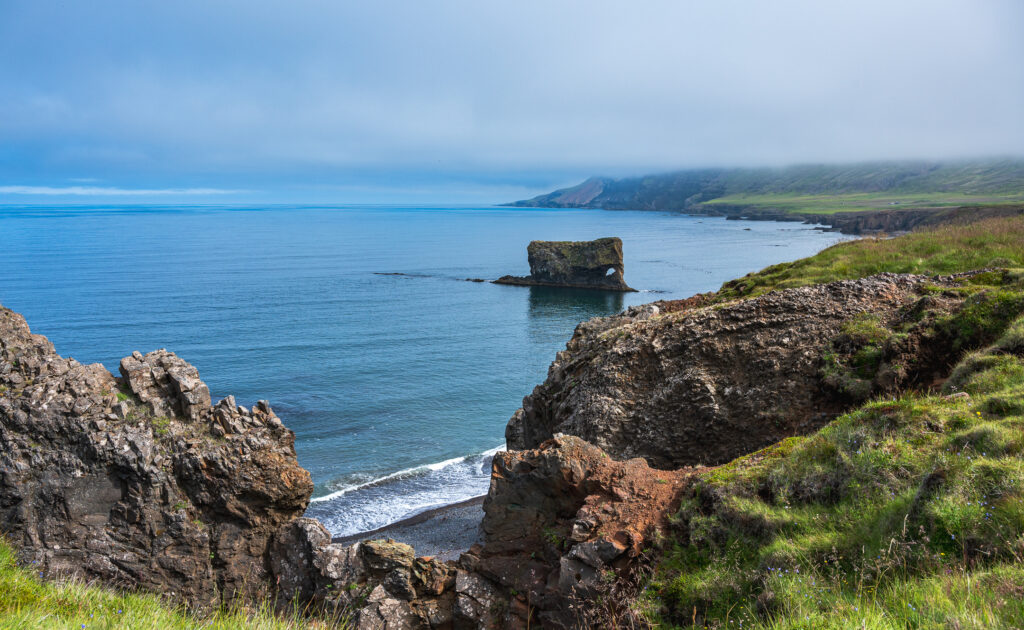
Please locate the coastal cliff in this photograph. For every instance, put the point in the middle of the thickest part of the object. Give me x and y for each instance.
(138, 481)
(866, 198)
(685, 463)
(681, 384)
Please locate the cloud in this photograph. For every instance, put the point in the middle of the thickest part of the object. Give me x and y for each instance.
(312, 92)
(105, 191)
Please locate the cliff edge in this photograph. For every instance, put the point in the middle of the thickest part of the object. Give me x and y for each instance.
(681, 384)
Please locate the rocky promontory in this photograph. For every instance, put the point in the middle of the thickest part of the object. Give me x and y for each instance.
(681, 384)
(577, 264)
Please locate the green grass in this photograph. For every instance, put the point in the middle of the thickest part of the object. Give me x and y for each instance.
(907, 512)
(886, 518)
(853, 358)
(817, 189)
(28, 602)
(856, 202)
(944, 250)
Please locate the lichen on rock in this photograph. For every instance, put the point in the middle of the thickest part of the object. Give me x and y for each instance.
(580, 264)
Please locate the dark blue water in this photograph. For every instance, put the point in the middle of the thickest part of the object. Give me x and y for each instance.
(396, 386)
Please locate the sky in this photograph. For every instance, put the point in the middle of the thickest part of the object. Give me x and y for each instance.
(477, 102)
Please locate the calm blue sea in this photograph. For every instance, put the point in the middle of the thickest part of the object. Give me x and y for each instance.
(398, 387)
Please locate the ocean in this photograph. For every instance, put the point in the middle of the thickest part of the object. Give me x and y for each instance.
(356, 323)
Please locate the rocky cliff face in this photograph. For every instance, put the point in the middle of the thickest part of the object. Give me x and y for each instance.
(582, 264)
(679, 384)
(138, 481)
(563, 523)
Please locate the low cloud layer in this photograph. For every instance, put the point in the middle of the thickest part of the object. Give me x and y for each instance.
(107, 191)
(324, 96)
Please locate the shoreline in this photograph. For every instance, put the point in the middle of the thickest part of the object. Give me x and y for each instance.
(443, 532)
(865, 222)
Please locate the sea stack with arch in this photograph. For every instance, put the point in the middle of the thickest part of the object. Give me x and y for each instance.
(578, 264)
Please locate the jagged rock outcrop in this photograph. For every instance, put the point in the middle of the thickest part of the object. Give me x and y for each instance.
(702, 385)
(166, 384)
(138, 481)
(580, 264)
(562, 523)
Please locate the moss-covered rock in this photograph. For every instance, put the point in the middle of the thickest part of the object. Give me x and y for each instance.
(581, 264)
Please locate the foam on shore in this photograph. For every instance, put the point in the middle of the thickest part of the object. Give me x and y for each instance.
(370, 505)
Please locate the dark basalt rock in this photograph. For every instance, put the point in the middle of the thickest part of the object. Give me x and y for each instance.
(579, 264)
(138, 481)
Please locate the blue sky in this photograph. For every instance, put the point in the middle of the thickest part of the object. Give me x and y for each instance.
(477, 102)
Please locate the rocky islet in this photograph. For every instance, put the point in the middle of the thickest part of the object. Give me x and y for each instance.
(594, 264)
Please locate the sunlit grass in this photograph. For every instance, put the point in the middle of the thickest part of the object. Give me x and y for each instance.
(26, 602)
(854, 202)
(907, 512)
(944, 250)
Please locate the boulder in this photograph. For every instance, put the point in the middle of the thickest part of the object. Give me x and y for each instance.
(383, 612)
(580, 264)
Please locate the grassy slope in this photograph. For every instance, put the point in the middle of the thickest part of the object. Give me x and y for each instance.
(946, 250)
(826, 190)
(28, 602)
(903, 513)
(814, 189)
(855, 202)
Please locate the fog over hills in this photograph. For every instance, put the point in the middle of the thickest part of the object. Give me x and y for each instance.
(982, 181)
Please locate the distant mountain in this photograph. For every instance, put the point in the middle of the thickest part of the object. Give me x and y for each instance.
(687, 190)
